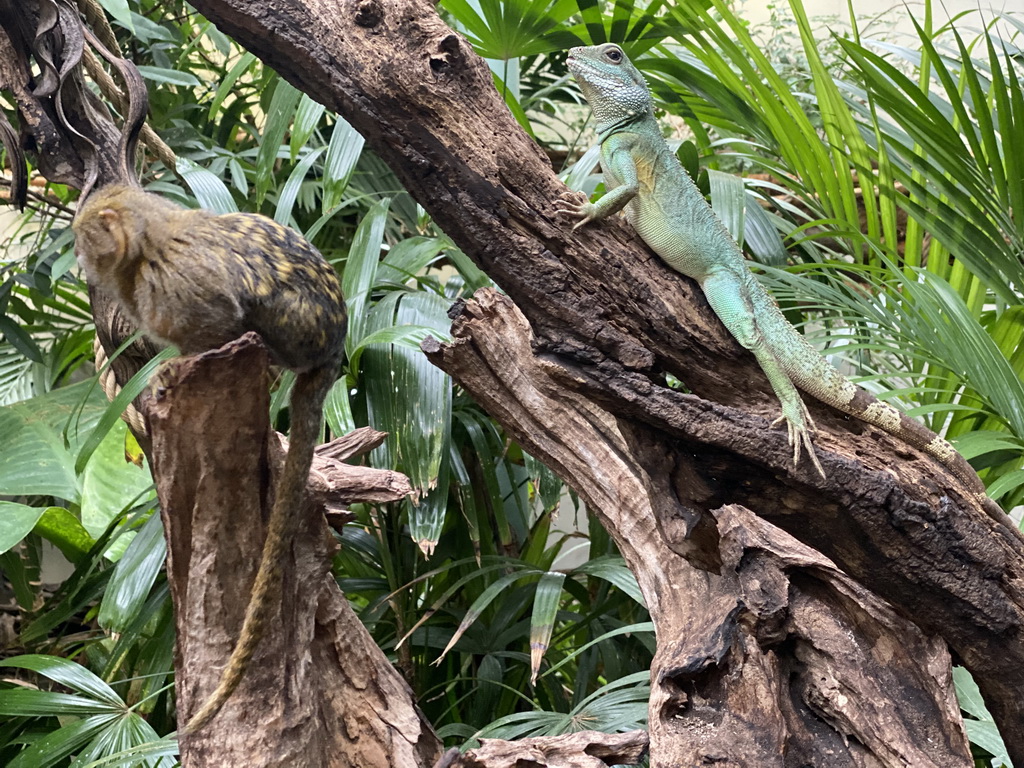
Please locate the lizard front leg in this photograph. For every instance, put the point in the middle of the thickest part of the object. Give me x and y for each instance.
(730, 298)
(620, 178)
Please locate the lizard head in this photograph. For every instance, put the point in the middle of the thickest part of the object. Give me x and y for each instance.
(615, 89)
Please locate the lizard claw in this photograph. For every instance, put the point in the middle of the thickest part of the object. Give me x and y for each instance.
(570, 205)
(799, 429)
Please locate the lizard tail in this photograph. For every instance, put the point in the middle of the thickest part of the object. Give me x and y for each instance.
(307, 400)
(866, 407)
(813, 374)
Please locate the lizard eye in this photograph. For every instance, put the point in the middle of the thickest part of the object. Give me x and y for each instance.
(613, 55)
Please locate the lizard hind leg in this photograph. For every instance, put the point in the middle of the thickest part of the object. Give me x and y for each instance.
(729, 294)
(800, 430)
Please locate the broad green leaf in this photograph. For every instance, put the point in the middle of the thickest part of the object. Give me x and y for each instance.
(168, 76)
(16, 522)
(54, 748)
(133, 577)
(66, 532)
(410, 399)
(290, 191)
(982, 731)
(280, 114)
(338, 409)
(120, 11)
(360, 270)
(69, 674)
(307, 117)
(20, 339)
(614, 571)
(229, 83)
(729, 201)
(408, 258)
(112, 413)
(20, 702)
(486, 598)
(207, 187)
(110, 483)
(35, 433)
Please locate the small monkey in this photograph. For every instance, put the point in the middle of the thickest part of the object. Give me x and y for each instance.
(198, 280)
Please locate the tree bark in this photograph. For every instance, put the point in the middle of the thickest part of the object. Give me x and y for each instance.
(583, 749)
(318, 690)
(613, 320)
(777, 658)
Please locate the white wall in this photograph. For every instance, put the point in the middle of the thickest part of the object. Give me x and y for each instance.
(757, 11)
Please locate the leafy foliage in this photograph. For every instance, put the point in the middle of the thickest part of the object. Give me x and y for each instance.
(887, 176)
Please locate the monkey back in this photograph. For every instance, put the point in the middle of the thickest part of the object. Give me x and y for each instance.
(199, 280)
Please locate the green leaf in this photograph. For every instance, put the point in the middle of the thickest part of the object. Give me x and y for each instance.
(113, 411)
(168, 76)
(35, 433)
(66, 532)
(110, 483)
(307, 117)
(133, 577)
(25, 703)
(207, 187)
(120, 11)
(69, 674)
(410, 399)
(486, 598)
(290, 191)
(542, 620)
(343, 151)
(982, 731)
(338, 409)
(729, 201)
(16, 522)
(360, 270)
(20, 339)
(229, 82)
(280, 114)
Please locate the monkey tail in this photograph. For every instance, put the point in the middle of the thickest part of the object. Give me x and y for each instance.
(307, 401)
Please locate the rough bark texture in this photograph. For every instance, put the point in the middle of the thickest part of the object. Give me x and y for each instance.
(584, 749)
(778, 659)
(611, 319)
(319, 691)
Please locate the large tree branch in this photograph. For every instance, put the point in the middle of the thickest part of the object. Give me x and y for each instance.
(304, 699)
(778, 658)
(614, 318)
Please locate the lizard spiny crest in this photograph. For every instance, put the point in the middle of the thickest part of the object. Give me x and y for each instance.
(615, 89)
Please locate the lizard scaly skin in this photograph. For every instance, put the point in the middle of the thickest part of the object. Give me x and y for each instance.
(646, 181)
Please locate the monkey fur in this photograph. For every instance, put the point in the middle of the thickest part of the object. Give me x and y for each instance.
(198, 280)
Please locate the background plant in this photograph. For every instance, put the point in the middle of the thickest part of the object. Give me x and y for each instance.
(880, 185)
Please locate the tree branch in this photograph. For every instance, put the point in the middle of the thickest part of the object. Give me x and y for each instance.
(304, 699)
(614, 318)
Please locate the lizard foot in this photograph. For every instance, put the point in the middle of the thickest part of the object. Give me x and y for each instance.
(800, 428)
(572, 206)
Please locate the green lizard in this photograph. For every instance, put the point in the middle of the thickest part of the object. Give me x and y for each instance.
(664, 206)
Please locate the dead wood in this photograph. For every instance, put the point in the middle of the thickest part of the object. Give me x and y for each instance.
(584, 749)
(318, 691)
(778, 659)
(609, 320)
(608, 315)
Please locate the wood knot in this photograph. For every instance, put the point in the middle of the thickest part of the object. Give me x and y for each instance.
(451, 51)
(369, 13)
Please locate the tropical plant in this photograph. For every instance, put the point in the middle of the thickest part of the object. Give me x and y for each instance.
(886, 173)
